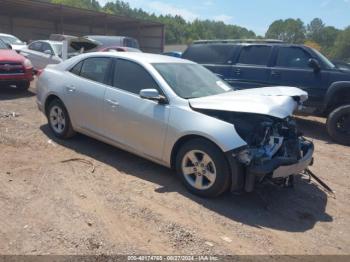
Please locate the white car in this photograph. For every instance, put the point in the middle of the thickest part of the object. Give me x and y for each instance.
(178, 114)
(14, 41)
(46, 52)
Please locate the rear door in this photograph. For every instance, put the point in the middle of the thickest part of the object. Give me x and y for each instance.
(84, 90)
(218, 58)
(33, 53)
(291, 68)
(252, 68)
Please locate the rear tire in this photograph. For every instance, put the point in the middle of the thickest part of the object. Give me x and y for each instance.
(203, 168)
(338, 124)
(59, 120)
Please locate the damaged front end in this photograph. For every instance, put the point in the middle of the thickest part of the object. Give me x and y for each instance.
(275, 150)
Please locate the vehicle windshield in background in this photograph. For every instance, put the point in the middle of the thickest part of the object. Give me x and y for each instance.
(3, 45)
(11, 40)
(58, 49)
(191, 80)
(106, 41)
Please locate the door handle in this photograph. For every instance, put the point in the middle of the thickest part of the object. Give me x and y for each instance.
(111, 102)
(275, 73)
(70, 88)
(238, 72)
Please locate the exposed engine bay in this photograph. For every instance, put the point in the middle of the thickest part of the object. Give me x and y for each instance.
(272, 144)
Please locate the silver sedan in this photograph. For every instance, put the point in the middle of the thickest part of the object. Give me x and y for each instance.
(180, 115)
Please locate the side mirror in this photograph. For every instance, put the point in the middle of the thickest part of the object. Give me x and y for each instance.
(48, 52)
(314, 64)
(8, 45)
(153, 94)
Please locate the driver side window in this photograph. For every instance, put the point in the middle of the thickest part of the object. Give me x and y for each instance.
(292, 57)
(132, 77)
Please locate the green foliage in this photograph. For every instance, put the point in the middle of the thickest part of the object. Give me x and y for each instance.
(342, 46)
(86, 4)
(289, 30)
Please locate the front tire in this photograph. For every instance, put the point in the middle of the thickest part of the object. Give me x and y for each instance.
(24, 86)
(203, 168)
(338, 124)
(59, 120)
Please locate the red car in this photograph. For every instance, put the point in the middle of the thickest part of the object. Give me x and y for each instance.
(15, 69)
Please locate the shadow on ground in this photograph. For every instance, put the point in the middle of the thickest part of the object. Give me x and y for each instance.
(314, 129)
(293, 210)
(10, 93)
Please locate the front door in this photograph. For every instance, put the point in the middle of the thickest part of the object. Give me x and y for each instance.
(134, 122)
(291, 68)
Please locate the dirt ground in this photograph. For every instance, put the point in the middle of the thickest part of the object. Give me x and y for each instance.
(130, 205)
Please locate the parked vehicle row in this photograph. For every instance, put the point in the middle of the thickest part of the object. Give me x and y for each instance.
(253, 64)
(178, 114)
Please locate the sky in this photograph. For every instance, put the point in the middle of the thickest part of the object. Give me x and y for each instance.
(255, 15)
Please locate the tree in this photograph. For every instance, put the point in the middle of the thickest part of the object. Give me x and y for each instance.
(86, 4)
(289, 30)
(313, 45)
(315, 30)
(341, 49)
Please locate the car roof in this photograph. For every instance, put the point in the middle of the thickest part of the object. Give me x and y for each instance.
(145, 57)
(238, 42)
(2, 34)
(48, 41)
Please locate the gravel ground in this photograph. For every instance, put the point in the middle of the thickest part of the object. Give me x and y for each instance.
(128, 205)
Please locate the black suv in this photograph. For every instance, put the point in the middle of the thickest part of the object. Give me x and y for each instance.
(251, 64)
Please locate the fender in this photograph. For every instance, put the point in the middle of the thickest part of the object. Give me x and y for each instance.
(221, 133)
(333, 90)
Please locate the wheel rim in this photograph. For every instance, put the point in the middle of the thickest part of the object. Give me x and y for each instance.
(343, 124)
(57, 119)
(198, 169)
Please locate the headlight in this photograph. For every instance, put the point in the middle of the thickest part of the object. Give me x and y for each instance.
(27, 64)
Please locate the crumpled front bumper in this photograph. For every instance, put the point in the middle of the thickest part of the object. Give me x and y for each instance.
(280, 167)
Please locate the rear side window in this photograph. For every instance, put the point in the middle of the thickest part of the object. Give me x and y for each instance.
(95, 68)
(293, 57)
(132, 77)
(76, 69)
(255, 55)
(46, 47)
(210, 54)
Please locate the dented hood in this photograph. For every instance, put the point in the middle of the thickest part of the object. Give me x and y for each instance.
(278, 101)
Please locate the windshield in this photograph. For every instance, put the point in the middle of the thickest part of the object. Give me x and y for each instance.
(3, 45)
(11, 40)
(325, 60)
(191, 80)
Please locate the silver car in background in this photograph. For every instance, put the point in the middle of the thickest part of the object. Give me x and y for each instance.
(180, 115)
(43, 52)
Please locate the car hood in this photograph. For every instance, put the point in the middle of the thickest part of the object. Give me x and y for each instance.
(8, 55)
(274, 101)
